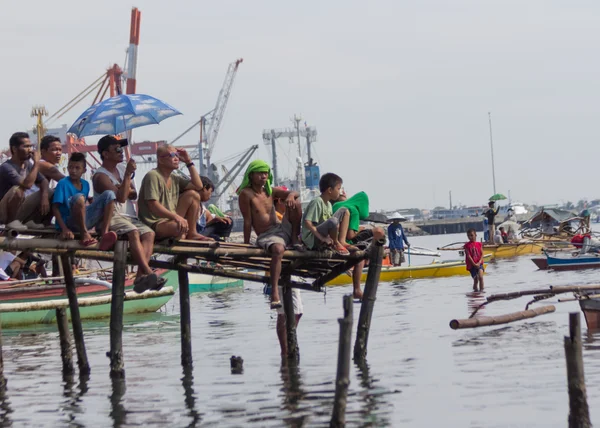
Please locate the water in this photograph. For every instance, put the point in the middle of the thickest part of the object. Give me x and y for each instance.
(419, 372)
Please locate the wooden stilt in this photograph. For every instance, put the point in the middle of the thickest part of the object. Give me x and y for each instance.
(368, 301)
(579, 413)
(338, 417)
(501, 319)
(2, 378)
(117, 370)
(185, 318)
(82, 360)
(66, 354)
(290, 320)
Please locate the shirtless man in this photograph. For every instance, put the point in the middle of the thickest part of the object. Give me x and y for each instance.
(256, 204)
(51, 152)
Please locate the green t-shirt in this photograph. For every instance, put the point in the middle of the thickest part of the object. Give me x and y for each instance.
(358, 206)
(154, 188)
(316, 212)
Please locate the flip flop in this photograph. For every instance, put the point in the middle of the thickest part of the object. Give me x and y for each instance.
(276, 304)
(144, 283)
(88, 242)
(107, 241)
(160, 283)
(342, 251)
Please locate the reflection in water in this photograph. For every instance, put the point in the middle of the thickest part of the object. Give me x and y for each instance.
(190, 396)
(293, 393)
(373, 401)
(5, 409)
(118, 412)
(474, 301)
(71, 404)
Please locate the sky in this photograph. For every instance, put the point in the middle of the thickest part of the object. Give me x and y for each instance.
(399, 91)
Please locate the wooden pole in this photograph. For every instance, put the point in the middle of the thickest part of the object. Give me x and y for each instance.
(290, 320)
(2, 378)
(338, 417)
(82, 360)
(66, 354)
(501, 319)
(185, 317)
(117, 367)
(579, 413)
(368, 301)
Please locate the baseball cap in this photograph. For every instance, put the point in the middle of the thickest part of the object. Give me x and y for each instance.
(108, 140)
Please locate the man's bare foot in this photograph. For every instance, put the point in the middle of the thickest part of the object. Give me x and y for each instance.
(351, 248)
(198, 237)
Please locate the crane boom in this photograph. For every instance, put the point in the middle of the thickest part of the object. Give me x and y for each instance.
(219, 110)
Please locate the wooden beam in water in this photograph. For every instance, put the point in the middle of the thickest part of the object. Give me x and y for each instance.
(117, 370)
(185, 317)
(579, 413)
(290, 319)
(342, 381)
(66, 353)
(500, 319)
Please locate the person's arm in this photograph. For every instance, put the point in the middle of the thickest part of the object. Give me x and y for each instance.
(404, 237)
(311, 217)
(311, 226)
(50, 171)
(246, 210)
(33, 174)
(44, 202)
(195, 181)
(288, 196)
(65, 231)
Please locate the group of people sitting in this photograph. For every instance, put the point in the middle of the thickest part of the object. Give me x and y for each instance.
(33, 191)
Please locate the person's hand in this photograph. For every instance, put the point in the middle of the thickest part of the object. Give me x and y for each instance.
(45, 206)
(184, 155)
(290, 201)
(67, 234)
(182, 224)
(407, 245)
(225, 220)
(36, 156)
(130, 168)
(327, 240)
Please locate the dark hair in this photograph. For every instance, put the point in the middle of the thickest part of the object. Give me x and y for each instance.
(16, 139)
(47, 140)
(329, 180)
(471, 230)
(78, 157)
(207, 183)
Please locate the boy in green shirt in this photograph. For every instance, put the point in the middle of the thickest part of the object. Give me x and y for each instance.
(320, 226)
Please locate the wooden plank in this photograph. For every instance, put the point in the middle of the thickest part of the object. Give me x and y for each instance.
(500, 319)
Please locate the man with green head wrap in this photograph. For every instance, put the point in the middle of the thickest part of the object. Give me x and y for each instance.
(256, 195)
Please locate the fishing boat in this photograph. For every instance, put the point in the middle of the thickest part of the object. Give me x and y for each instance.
(201, 283)
(91, 289)
(391, 273)
(590, 306)
(498, 251)
(576, 262)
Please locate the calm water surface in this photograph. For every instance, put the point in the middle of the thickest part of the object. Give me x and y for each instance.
(419, 372)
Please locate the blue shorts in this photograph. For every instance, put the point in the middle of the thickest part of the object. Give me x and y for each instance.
(93, 212)
(475, 271)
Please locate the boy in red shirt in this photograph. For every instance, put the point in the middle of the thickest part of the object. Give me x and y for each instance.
(474, 259)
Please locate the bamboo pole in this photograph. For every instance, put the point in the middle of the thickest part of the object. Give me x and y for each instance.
(82, 360)
(290, 319)
(500, 319)
(550, 290)
(66, 353)
(117, 370)
(579, 414)
(368, 301)
(338, 417)
(185, 318)
(3, 381)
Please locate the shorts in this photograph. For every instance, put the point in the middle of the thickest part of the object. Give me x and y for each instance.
(93, 212)
(296, 300)
(364, 235)
(281, 233)
(122, 225)
(475, 271)
(328, 225)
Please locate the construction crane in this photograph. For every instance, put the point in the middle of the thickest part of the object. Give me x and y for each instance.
(210, 123)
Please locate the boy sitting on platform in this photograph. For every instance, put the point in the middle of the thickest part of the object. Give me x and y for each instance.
(68, 206)
(210, 225)
(320, 226)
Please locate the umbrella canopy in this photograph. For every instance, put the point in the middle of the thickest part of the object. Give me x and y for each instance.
(121, 113)
(377, 218)
(498, 197)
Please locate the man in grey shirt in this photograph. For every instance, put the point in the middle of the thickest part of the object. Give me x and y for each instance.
(17, 175)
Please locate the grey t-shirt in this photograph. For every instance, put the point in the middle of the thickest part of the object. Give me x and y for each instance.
(13, 175)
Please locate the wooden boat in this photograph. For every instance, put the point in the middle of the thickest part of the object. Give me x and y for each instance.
(44, 293)
(501, 250)
(200, 283)
(578, 262)
(540, 262)
(390, 273)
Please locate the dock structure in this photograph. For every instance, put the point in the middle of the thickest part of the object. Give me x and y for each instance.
(306, 270)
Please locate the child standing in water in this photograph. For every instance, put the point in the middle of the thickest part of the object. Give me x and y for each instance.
(474, 259)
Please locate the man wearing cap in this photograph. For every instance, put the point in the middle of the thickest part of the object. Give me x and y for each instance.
(169, 202)
(115, 176)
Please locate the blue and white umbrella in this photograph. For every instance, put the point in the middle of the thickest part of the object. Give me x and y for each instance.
(121, 113)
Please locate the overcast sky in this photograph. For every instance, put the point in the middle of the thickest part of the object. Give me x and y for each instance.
(398, 91)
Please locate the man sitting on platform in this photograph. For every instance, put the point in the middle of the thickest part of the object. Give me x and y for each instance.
(51, 153)
(210, 225)
(113, 175)
(169, 203)
(17, 175)
(256, 204)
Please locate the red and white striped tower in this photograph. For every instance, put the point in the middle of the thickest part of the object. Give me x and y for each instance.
(134, 41)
